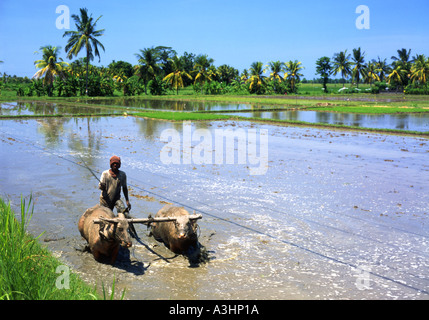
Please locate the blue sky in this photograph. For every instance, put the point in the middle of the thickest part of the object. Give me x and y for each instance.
(233, 32)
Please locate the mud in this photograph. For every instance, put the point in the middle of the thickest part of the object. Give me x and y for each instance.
(338, 215)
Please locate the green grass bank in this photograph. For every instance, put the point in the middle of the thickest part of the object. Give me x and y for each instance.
(28, 271)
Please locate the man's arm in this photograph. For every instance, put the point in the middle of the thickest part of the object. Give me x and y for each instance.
(102, 184)
(125, 191)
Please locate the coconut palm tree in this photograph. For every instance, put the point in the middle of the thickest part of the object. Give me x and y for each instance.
(275, 67)
(359, 65)
(201, 69)
(369, 73)
(256, 79)
(50, 66)
(403, 56)
(403, 62)
(85, 36)
(342, 65)
(148, 66)
(420, 69)
(382, 68)
(244, 75)
(399, 75)
(175, 78)
(292, 72)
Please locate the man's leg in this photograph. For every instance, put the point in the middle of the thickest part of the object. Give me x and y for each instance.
(104, 203)
(121, 208)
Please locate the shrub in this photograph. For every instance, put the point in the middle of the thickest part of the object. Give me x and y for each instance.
(157, 87)
(414, 88)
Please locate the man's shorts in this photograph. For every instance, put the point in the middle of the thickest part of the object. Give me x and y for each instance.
(119, 205)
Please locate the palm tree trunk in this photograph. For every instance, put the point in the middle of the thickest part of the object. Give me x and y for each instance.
(87, 67)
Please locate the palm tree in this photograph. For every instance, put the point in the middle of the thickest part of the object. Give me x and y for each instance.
(381, 68)
(398, 75)
(50, 66)
(148, 66)
(175, 78)
(403, 56)
(201, 68)
(403, 63)
(257, 79)
(276, 67)
(370, 73)
(85, 36)
(244, 75)
(420, 69)
(359, 65)
(292, 73)
(342, 65)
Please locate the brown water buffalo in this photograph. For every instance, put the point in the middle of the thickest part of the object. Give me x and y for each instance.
(179, 235)
(104, 233)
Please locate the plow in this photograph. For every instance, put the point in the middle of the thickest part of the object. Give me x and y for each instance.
(147, 221)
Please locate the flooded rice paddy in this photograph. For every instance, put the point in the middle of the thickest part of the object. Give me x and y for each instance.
(336, 215)
(49, 108)
(403, 121)
(409, 121)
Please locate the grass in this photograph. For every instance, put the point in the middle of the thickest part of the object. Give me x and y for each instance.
(371, 109)
(28, 270)
(351, 103)
(335, 126)
(201, 116)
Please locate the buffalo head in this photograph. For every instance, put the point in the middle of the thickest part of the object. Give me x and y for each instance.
(115, 229)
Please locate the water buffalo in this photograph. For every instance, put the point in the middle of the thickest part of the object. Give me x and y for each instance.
(179, 235)
(104, 233)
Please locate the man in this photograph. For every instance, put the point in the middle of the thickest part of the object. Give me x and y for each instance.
(111, 182)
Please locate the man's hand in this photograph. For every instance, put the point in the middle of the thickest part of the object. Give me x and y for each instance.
(128, 205)
(102, 186)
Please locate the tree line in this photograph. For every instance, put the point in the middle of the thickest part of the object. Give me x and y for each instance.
(403, 73)
(161, 68)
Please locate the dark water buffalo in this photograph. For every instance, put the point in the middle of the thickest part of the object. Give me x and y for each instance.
(104, 233)
(179, 235)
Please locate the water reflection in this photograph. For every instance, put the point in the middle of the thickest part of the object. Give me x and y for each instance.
(172, 105)
(47, 108)
(402, 121)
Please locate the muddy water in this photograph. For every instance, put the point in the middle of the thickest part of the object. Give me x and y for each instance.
(171, 104)
(48, 108)
(405, 121)
(410, 121)
(337, 215)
